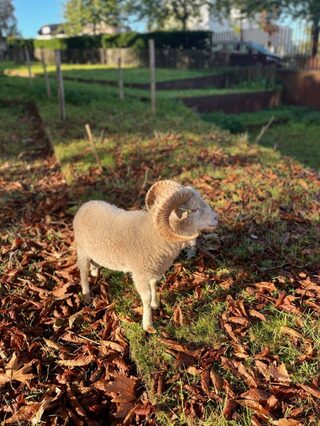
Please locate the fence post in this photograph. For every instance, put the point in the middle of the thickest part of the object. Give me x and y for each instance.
(152, 75)
(120, 71)
(62, 104)
(27, 57)
(44, 66)
(273, 76)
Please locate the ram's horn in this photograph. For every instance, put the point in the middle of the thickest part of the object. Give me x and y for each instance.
(159, 189)
(164, 205)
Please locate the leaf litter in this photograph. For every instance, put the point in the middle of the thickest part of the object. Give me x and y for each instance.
(63, 362)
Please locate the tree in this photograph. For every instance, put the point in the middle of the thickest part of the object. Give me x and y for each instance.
(308, 10)
(8, 22)
(80, 13)
(159, 12)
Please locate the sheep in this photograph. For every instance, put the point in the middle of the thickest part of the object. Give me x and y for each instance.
(144, 243)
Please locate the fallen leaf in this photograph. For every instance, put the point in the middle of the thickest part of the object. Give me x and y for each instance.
(78, 362)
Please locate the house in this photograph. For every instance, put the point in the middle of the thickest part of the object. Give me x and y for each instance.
(279, 40)
(49, 31)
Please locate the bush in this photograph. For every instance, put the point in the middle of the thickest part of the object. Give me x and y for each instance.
(52, 44)
(225, 121)
(163, 39)
(18, 43)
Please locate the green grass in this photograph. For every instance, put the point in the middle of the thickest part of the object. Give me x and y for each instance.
(294, 132)
(140, 75)
(250, 186)
(103, 72)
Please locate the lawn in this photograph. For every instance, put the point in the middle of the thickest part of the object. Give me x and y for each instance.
(141, 75)
(105, 73)
(295, 130)
(238, 333)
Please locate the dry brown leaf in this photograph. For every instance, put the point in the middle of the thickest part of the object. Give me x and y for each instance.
(112, 345)
(15, 370)
(205, 376)
(279, 373)
(256, 407)
(25, 413)
(60, 291)
(216, 380)
(74, 402)
(291, 332)
(78, 362)
(257, 314)
(177, 316)
(122, 391)
(53, 345)
(249, 376)
(263, 368)
(287, 422)
(312, 391)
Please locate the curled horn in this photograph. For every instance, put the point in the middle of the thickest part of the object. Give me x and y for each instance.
(164, 206)
(158, 189)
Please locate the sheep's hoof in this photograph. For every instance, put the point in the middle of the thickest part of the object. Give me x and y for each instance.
(150, 329)
(155, 305)
(87, 298)
(94, 270)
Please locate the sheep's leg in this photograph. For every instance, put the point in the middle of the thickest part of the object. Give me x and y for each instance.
(154, 298)
(83, 264)
(144, 290)
(94, 269)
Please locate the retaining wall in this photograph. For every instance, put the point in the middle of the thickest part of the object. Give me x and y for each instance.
(301, 87)
(234, 103)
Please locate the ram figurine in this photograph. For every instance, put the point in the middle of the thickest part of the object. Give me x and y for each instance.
(144, 243)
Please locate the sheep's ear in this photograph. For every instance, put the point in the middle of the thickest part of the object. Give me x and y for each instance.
(183, 213)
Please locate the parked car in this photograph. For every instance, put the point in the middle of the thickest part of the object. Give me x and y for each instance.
(247, 53)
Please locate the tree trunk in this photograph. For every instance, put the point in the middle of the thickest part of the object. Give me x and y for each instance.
(184, 23)
(315, 39)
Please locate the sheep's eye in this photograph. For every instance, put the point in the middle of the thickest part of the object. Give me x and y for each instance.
(189, 211)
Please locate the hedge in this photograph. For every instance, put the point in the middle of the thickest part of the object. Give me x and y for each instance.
(80, 42)
(18, 43)
(163, 39)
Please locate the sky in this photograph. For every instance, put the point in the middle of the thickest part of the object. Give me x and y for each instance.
(32, 14)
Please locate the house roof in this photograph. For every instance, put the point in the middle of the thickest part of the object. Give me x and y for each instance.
(51, 29)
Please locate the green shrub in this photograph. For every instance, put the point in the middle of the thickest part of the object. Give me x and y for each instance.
(52, 44)
(13, 43)
(163, 39)
(225, 121)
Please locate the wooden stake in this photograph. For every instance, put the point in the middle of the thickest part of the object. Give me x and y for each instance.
(93, 145)
(264, 129)
(152, 75)
(62, 102)
(46, 77)
(28, 62)
(120, 71)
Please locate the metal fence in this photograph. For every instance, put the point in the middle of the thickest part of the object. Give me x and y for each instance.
(292, 44)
